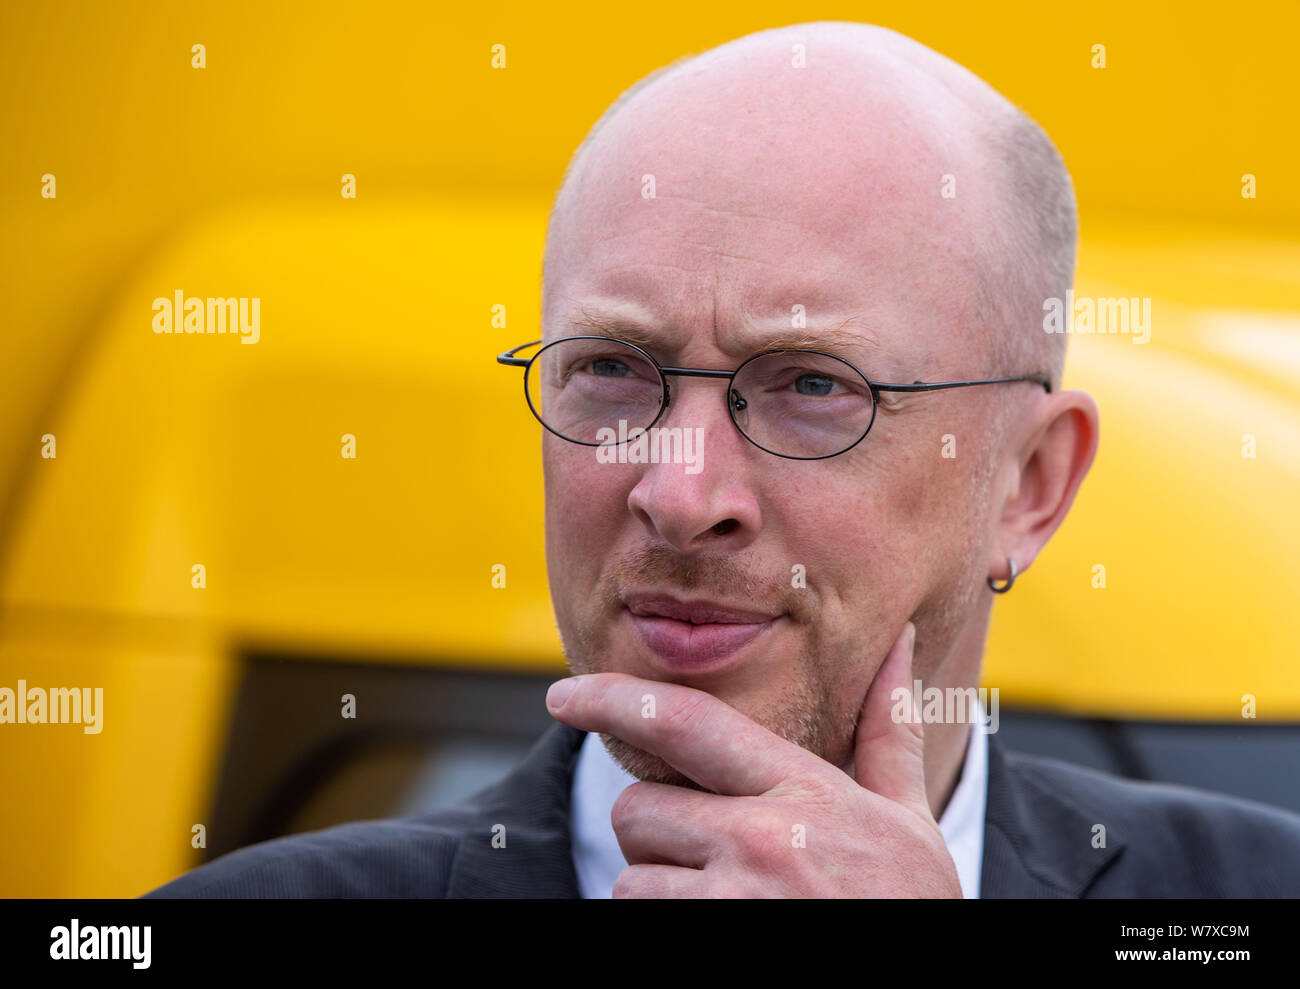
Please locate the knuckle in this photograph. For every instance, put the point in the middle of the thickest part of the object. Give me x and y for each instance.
(762, 839)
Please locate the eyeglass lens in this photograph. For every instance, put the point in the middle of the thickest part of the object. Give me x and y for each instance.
(791, 403)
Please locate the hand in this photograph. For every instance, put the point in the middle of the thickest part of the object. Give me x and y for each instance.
(781, 821)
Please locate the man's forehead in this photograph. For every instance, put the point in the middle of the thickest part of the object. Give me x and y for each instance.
(769, 190)
(816, 212)
(626, 319)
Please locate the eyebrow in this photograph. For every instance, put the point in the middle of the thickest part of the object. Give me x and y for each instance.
(835, 338)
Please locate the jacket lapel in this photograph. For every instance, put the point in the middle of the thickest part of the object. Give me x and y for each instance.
(529, 809)
(1037, 841)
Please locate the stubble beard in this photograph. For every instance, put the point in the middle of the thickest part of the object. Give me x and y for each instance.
(805, 713)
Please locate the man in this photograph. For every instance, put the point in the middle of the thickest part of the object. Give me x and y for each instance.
(812, 264)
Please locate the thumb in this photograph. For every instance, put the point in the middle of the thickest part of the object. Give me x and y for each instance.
(889, 745)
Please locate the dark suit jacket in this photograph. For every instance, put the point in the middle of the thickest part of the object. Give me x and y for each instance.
(1161, 841)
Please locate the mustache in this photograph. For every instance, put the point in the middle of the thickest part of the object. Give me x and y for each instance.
(724, 578)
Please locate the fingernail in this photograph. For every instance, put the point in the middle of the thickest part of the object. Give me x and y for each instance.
(559, 693)
(911, 637)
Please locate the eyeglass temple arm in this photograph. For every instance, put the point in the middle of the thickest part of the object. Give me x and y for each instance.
(509, 356)
(1038, 379)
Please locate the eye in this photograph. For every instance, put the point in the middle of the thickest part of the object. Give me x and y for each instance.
(817, 385)
(609, 367)
(792, 375)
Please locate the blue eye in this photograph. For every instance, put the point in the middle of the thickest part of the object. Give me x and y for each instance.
(814, 384)
(607, 367)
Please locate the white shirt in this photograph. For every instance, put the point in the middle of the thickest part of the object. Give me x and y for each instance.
(598, 780)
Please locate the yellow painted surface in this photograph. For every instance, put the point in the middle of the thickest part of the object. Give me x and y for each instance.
(376, 321)
(1198, 542)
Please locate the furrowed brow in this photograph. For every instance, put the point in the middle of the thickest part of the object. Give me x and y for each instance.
(618, 328)
(836, 339)
(829, 340)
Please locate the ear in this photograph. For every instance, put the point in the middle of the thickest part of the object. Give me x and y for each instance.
(1053, 461)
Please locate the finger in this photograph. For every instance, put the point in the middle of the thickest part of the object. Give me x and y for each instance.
(694, 732)
(669, 882)
(888, 754)
(656, 823)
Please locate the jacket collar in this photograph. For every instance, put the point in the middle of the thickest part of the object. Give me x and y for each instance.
(1038, 842)
(529, 809)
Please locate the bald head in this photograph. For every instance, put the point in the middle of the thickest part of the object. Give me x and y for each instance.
(893, 156)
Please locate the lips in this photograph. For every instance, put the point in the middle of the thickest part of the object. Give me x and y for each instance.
(694, 635)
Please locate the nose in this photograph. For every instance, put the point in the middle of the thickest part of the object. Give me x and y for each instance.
(715, 509)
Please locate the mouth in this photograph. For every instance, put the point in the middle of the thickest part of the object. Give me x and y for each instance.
(693, 636)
